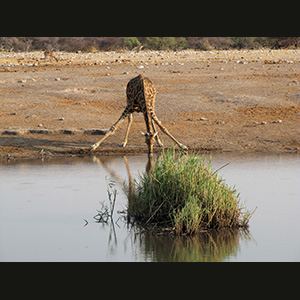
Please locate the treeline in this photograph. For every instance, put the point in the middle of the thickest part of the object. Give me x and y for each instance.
(92, 44)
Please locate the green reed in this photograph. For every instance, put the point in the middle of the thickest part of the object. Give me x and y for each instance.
(184, 193)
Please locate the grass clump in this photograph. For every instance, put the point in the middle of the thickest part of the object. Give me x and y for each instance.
(183, 193)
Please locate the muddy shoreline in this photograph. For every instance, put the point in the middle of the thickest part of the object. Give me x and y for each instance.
(211, 101)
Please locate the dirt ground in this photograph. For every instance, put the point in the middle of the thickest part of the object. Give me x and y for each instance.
(210, 101)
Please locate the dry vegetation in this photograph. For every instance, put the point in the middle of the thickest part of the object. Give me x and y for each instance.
(90, 44)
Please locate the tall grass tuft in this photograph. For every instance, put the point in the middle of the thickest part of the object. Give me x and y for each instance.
(184, 193)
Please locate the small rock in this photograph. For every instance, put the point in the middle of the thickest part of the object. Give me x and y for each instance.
(125, 73)
(220, 122)
(202, 119)
(263, 123)
(140, 67)
(40, 125)
(295, 81)
(22, 81)
(13, 114)
(9, 132)
(277, 121)
(39, 131)
(95, 131)
(61, 118)
(57, 79)
(67, 131)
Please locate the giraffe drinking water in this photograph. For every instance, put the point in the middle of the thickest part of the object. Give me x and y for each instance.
(141, 95)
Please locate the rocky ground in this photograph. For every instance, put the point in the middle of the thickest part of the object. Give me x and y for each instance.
(209, 100)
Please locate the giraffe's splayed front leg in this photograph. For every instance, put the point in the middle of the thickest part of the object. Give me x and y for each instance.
(159, 143)
(112, 129)
(94, 147)
(165, 131)
(183, 147)
(127, 130)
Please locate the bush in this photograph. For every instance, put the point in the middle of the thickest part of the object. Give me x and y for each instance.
(183, 193)
(181, 43)
(204, 45)
(244, 42)
(131, 42)
(164, 43)
(153, 43)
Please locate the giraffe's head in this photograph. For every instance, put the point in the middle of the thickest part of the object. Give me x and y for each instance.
(149, 139)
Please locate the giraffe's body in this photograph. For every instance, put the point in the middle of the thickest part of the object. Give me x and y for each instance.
(141, 95)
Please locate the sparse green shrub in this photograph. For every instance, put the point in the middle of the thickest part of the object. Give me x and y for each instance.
(168, 43)
(131, 42)
(153, 43)
(204, 45)
(244, 42)
(181, 43)
(165, 43)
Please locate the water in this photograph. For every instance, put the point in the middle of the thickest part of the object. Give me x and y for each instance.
(47, 209)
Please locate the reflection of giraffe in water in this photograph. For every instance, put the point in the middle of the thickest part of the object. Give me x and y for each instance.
(140, 98)
(149, 167)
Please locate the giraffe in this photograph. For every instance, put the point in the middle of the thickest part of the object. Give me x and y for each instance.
(141, 94)
(50, 54)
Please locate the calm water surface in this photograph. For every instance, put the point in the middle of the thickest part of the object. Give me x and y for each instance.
(44, 205)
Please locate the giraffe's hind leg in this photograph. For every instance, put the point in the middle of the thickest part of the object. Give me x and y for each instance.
(130, 117)
(165, 130)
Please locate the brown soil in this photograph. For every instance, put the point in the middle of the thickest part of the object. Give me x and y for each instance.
(210, 101)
